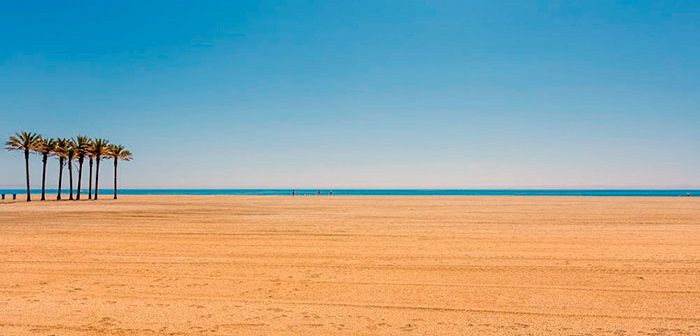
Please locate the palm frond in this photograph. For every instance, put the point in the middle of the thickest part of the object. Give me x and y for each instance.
(99, 148)
(22, 141)
(60, 148)
(119, 152)
(45, 146)
(82, 145)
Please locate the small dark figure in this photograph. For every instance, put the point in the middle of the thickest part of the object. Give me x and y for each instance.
(318, 193)
(14, 196)
(3, 197)
(293, 192)
(330, 193)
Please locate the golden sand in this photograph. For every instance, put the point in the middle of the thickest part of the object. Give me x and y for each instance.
(215, 265)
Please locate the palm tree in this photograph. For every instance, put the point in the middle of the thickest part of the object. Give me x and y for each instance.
(70, 156)
(92, 158)
(25, 142)
(60, 150)
(82, 145)
(99, 150)
(44, 147)
(118, 152)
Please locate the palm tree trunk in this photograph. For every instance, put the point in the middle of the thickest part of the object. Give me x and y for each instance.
(97, 176)
(80, 176)
(115, 178)
(70, 179)
(60, 178)
(26, 167)
(44, 158)
(90, 181)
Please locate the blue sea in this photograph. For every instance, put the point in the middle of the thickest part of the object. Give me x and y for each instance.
(394, 192)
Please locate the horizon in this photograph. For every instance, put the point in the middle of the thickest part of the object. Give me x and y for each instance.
(109, 190)
(373, 192)
(365, 95)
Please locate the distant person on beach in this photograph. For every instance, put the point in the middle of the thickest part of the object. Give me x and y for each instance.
(292, 192)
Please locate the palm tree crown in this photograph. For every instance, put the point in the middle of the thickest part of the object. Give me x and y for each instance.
(71, 150)
(60, 148)
(45, 146)
(119, 152)
(82, 146)
(99, 148)
(23, 141)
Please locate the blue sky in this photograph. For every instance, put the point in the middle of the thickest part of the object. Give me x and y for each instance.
(331, 94)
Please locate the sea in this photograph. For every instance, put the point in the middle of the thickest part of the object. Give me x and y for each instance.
(394, 192)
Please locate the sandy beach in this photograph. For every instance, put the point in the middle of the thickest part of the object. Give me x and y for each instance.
(232, 265)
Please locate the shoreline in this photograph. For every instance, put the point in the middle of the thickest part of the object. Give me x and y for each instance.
(51, 198)
(387, 192)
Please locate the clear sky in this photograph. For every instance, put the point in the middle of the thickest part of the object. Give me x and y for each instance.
(445, 94)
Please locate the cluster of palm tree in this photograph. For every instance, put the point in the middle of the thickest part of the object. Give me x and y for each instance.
(68, 151)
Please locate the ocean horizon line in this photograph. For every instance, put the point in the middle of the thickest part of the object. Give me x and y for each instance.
(385, 191)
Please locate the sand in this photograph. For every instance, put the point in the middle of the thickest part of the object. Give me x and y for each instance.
(215, 265)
